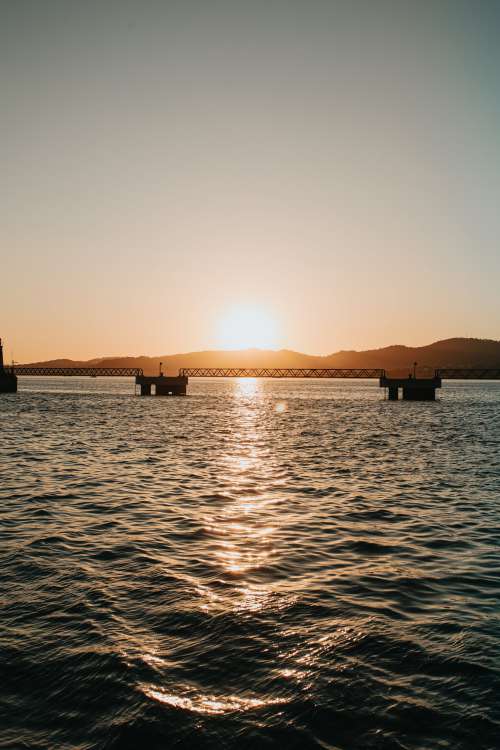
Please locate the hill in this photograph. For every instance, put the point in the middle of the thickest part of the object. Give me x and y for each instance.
(398, 359)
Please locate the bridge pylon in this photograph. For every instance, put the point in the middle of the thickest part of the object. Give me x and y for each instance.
(8, 380)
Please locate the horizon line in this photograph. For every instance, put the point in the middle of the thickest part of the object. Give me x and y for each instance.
(272, 351)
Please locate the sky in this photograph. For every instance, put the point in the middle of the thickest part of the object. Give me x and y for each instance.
(312, 175)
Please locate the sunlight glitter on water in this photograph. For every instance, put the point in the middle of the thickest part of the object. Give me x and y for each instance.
(212, 568)
(244, 535)
(207, 704)
(247, 386)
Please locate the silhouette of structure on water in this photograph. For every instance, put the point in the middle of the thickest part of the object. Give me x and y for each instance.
(8, 380)
(413, 388)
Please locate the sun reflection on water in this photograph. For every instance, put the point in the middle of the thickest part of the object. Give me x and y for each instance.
(206, 704)
(245, 527)
(247, 386)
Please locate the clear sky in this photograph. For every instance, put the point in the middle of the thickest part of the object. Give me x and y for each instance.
(318, 174)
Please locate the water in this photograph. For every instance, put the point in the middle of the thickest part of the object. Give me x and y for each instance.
(262, 564)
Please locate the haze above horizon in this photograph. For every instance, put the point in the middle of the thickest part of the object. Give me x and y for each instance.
(216, 175)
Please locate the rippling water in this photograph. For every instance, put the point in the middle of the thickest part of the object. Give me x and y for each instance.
(261, 564)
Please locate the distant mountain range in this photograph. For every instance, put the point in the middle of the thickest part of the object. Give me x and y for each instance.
(397, 360)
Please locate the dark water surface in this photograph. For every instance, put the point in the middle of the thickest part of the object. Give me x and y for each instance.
(262, 564)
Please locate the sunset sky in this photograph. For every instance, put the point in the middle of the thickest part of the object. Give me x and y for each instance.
(201, 174)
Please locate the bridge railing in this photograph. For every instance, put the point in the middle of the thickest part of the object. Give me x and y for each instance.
(280, 372)
(92, 372)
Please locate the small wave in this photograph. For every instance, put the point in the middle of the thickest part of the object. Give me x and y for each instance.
(366, 547)
(209, 573)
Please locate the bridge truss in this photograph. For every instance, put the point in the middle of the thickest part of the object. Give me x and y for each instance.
(448, 373)
(92, 372)
(279, 372)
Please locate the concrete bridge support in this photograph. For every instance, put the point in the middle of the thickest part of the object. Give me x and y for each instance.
(8, 379)
(419, 394)
(162, 385)
(8, 382)
(145, 389)
(414, 389)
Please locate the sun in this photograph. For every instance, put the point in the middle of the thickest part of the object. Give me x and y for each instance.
(247, 327)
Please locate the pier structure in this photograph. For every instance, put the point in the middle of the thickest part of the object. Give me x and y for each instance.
(414, 389)
(8, 378)
(161, 385)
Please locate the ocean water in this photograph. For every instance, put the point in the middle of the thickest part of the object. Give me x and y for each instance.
(263, 564)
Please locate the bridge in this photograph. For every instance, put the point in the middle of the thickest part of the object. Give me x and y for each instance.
(279, 372)
(413, 388)
(448, 373)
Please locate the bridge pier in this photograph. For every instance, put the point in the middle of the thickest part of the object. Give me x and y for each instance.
(8, 382)
(163, 386)
(423, 393)
(145, 388)
(414, 389)
(8, 379)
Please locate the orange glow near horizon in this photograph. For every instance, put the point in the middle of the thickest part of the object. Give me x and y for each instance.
(171, 188)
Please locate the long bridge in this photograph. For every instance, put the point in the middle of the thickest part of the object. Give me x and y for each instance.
(448, 373)
(280, 372)
(413, 388)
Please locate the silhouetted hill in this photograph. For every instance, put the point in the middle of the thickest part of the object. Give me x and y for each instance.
(457, 352)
